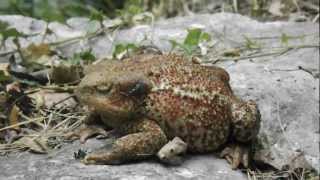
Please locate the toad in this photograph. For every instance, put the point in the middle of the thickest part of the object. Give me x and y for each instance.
(151, 99)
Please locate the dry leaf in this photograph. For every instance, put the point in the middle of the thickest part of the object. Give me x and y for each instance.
(4, 67)
(275, 8)
(38, 145)
(48, 98)
(14, 117)
(15, 86)
(66, 74)
(232, 53)
(3, 100)
(39, 100)
(36, 51)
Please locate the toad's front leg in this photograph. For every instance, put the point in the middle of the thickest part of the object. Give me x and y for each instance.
(145, 138)
(91, 127)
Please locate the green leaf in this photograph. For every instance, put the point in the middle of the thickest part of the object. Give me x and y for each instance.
(6, 31)
(250, 44)
(192, 40)
(124, 48)
(131, 46)
(205, 37)
(4, 77)
(193, 37)
(96, 15)
(75, 9)
(119, 48)
(285, 39)
(3, 25)
(12, 32)
(85, 56)
(49, 11)
(173, 43)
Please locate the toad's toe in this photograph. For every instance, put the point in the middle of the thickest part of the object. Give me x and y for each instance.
(236, 155)
(86, 132)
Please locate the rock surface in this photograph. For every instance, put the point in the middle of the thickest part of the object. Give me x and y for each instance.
(62, 165)
(285, 86)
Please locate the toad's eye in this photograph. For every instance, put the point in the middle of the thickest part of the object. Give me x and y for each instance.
(137, 89)
(103, 88)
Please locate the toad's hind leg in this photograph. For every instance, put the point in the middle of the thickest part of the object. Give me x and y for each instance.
(245, 125)
(145, 138)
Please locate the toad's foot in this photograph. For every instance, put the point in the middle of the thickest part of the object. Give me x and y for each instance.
(236, 154)
(86, 132)
(102, 158)
(170, 152)
(145, 140)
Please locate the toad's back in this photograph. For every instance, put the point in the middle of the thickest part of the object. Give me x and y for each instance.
(187, 100)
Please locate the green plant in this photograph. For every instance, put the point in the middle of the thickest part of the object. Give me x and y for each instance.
(121, 50)
(251, 44)
(85, 56)
(6, 31)
(192, 41)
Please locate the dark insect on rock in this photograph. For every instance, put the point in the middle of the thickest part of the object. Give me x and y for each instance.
(80, 154)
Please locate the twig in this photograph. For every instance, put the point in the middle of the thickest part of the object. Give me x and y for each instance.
(252, 56)
(282, 127)
(297, 5)
(315, 19)
(45, 32)
(307, 71)
(8, 53)
(309, 5)
(278, 53)
(62, 100)
(235, 6)
(69, 89)
(292, 37)
(29, 120)
(75, 39)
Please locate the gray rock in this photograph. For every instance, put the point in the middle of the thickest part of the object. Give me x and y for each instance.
(285, 86)
(62, 165)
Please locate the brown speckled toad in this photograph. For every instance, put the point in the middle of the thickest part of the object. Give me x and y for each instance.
(151, 99)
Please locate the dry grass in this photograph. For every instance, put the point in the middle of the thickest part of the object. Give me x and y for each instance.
(299, 174)
(45, 130)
